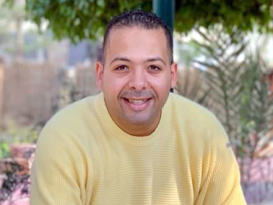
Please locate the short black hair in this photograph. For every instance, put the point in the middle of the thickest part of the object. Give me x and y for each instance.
(142, 19)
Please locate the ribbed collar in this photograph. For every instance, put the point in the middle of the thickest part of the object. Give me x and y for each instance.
(112, 130)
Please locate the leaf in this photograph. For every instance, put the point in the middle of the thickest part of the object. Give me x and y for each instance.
(189, 14)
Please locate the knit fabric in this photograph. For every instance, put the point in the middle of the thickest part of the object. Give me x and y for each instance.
(84, 158)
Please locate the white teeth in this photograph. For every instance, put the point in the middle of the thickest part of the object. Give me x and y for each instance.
(138, 102)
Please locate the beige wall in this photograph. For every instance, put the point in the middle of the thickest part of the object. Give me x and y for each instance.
(32, 93)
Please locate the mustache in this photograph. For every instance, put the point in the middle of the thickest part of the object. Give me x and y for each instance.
(137, 94)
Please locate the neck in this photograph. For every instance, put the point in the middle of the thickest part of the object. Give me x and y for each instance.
(138, 130)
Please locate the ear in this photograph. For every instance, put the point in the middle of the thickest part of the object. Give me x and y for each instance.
(99, 73)
(173, 74)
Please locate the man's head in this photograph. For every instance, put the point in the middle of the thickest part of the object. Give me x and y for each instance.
(137, 71)
(143, 20)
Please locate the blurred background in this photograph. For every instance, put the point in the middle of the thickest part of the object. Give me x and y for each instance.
(224, 50)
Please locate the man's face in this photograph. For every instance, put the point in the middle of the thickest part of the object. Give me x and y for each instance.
(136, 78)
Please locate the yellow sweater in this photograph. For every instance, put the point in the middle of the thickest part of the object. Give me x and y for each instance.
(83, 158)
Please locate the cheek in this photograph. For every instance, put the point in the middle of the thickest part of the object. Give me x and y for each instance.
(161, 85)
(112, 85)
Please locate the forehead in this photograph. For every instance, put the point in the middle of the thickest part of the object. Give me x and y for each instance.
(136, 43)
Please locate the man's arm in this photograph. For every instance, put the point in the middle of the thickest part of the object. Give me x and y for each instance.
(57, 175)
(221, 183)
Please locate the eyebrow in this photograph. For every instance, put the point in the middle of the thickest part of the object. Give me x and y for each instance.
(156, 59)
(148, 60)
(119, 59)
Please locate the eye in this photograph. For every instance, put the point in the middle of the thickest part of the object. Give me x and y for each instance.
(154, 68)
(121, 68)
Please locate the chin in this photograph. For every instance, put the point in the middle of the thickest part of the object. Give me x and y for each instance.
(139, 120)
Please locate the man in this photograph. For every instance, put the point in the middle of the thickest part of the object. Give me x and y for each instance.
(135, 143)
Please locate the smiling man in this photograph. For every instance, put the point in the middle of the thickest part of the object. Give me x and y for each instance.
(135, 143)
(136, 76)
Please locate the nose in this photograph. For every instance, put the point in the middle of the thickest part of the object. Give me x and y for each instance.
(138, 80)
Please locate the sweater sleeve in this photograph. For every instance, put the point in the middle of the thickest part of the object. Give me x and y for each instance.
(58, 171)
(221, 183)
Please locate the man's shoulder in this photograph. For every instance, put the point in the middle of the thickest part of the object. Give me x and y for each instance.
(196, 124)
(186, 107)
(192, 116)
(75, 112)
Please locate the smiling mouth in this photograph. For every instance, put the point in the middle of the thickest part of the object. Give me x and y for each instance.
(137, 104)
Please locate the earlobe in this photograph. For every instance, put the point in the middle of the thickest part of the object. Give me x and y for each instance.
(99, 73)
(173, 74)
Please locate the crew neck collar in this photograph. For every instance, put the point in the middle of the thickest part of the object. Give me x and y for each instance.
(112, 129)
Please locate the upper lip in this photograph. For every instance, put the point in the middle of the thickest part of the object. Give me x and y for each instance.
(147, 95)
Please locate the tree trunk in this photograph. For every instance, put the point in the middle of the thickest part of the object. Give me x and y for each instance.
(19, 38)
(1, 92)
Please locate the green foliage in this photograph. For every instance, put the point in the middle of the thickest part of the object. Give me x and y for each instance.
(223, 75)
(4, 149)
(77, 20)
(86, 19)
(256, 106)
(16, 135)
(233, 14)
(238, 91)
(236, 78)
